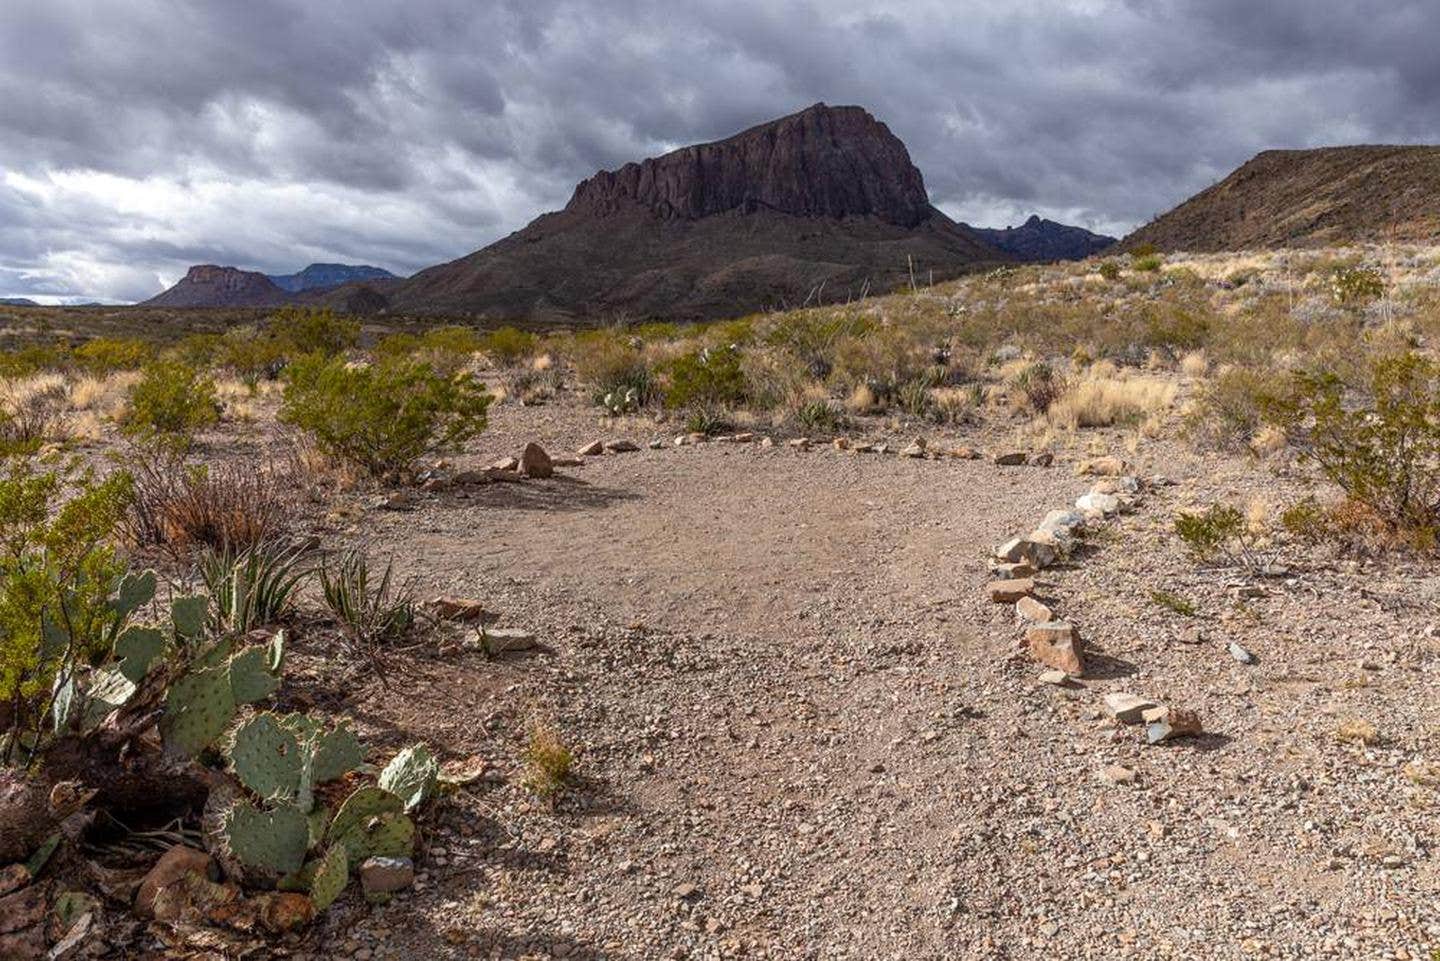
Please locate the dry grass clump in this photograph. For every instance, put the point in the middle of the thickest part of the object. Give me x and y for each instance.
(548, 762)
(106, 395)
(1195, 364)
(1098, 401)
(179, 507)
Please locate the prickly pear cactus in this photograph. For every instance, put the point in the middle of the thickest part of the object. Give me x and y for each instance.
(412, 775)
(133, 592)
(337, 753)
(199, 706)
(267, 758)
(372, 823)
(137, 648)
(187, 616)
(329, 876)
(273, 839)
(251, 678)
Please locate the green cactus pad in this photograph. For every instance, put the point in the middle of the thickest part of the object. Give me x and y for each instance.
(331, 873)
(198, 708)
(135, 591)
(319, 819)
(371, 823)
(267, 758)
(250, 676)
(137, 648)
(274, 839)
(411, 775)
(187, 614)
(337, 754)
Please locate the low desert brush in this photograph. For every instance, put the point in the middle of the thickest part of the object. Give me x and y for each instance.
(370, 610)
(548, 762)
(1107, 401)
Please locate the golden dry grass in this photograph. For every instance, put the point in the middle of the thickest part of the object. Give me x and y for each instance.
(1101, 401)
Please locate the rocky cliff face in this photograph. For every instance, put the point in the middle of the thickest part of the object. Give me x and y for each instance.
(207, 285)
(823, 205)
(318, 276)
(821, 162)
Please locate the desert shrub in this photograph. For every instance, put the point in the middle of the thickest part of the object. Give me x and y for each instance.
(1221, 533)
(1145, 249)
(252, 588)
(253, 355)
(171, 401)
(197, 350)
(34, 358)
(813, 336)
(384, 417)
(956, 405)
(1356, 285)
(58, 568)
(884, 359)
(1382, 447)
(31, 412)
(1229, 409)
(612, 365)
(1174, 330)
(1039, 385)
(1109, 270)
(370, 611)
(548, 762)
(1149, 263)
(1108, 401)
(819, 417)
(105, 355)
(223, 507)
(307, 330)
(709, 379)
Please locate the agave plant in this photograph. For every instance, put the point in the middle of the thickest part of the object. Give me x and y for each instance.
(370, 611)
(254, 587)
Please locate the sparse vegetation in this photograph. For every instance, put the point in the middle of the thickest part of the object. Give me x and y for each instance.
(252, 588)
(548, 762)
(370, 611)
(170, 402)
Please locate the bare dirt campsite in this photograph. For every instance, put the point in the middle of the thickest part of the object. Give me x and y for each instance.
(896, 629)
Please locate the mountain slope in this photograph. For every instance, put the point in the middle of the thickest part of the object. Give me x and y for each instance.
(1306, 198)
(823, 204)
(208, 285)
(328, 275)
(1039, 240)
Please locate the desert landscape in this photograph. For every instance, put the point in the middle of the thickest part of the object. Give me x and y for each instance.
(751, 556)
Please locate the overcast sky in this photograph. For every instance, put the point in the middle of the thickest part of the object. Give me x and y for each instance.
(140, 136)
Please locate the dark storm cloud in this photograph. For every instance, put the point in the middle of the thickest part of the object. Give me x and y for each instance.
(138, 136)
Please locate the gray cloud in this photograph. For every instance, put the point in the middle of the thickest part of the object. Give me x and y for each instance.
(139, 136)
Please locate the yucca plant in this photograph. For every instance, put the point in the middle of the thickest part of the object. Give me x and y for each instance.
(254, 587)
(370, 611)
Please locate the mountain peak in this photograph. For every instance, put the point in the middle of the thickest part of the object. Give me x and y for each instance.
(824, 161)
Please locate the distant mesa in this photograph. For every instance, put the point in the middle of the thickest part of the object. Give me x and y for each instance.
(1039, 241)
(319, 276)
(208, 285)
(17, 302)
(820, 206)
(1309, 198)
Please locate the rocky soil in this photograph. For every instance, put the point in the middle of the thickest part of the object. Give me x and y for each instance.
(804, 730)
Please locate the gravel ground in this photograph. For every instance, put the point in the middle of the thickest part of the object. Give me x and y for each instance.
(803, 730)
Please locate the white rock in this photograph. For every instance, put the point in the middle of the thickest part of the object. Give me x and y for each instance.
(1101, 503)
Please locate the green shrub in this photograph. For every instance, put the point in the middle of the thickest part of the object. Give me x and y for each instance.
(1149, 263)
(252, 354)
(1355, 285)
(171, 402)
(819, 417)
(1220, 533)
(252, 588)
(613, 366)
(710, 379)
(370, 612)
(57, 570)
(384, 417)
(509, 346)
(1040, 385)
(1109, 270)
(105, 355)
(1175, 329)
(34, 358)
(198, 350)
(1381, 447)
(306, 330)
(1229, 408)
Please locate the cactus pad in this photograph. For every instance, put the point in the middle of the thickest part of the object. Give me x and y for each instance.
(337, 754)
(371, 823)
(267, 758)
(411, 775)
(250, 675)
(137, 648)
(275, 839)
(187, 614)
(135, 591)
(198, 708)
(329, 876)
(109, 689)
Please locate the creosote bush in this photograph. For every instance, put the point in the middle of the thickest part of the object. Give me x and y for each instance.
(383, 417)
(299, 331)
(705, 383)
(170, 402)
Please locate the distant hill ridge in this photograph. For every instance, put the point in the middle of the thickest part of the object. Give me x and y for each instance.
(1038, 240)
(210, 285)
(1306, 198)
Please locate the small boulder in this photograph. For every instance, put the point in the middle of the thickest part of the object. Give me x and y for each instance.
(1178, 723)
(1241, 654)
(386, 875)
(1007, 570)
(1117, 774)
(464, 609)
(656, 444)
(621, 446)
(799, 443)
(916, 450)
(1097, 503)
(1056, 678)
(1054, 644)
(1008, 592)
(1010, 458)
(841, 443)
(593, 449)
(534, 462)
(1127, 708)
(1071, 521)
(506, 463)
(1043, 459)
(964, 453)
(1031, 610)
(1109, 466)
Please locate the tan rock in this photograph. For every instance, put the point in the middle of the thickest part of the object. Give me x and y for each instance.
(964, 453)
(534, 462)
(621, 446)
(1042, 459)
(1179, 723)
(841, 443)
(506, 463)
(1127, 708)
(1109, 466)
(1033, 611)
(1010, 458)
(1006, 570)
(1008, 592)
(593, 449)
(1117, 774)
(465, 609)
(1054, 644)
